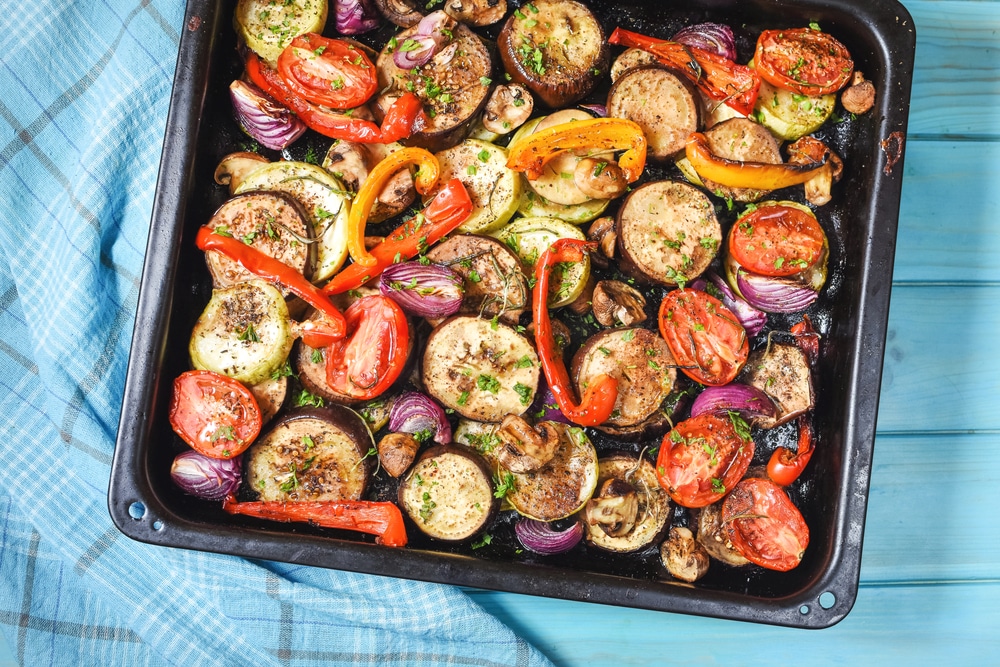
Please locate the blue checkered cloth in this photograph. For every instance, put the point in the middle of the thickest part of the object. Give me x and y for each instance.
(84, 89)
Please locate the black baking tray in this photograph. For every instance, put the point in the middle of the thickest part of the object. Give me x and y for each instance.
(851, 316)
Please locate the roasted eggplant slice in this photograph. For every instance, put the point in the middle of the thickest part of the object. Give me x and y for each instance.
(609, 518)
(782, 372)
(244, 332)
(481, 369)
(563, 485)
(641, 362)
(448, 493)
(668, 233)
(453, 86)
(665, 105)
(556, 48)
(312, 454)
(743, 140)
(271, 395)
(712, 535)
(273, 223)
(494, 282)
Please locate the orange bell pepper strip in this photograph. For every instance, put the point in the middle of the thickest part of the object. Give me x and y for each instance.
(332, 325)
(736, 174)
(382, 519)
(450, 207)
(426, 179)
(531, 153)
(400, 121)
(599, 399)
(720, 78)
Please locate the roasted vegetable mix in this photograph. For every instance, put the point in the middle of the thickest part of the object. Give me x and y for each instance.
(500, 323)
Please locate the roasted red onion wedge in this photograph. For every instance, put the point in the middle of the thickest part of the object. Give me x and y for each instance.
(714, 37)
(354, 17)
(542, 538)
(424, 290)
(753, 320)
(734, 397)
(416, 413)
(262, 118)
(204, 477)
(774, 295)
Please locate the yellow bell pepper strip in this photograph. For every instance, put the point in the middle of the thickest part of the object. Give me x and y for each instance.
(599, 399)
(534, 151)
(426, 179)
(450, 207)
(332, 325)
(720, 78)
(736, 174)
(382, 519)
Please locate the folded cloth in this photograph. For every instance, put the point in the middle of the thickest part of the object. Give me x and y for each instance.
(85, 88)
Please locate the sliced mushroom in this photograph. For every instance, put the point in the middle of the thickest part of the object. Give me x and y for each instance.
(233, 168)
(615, 508)
(859, 97)
(508, 108)
(808, 150)
(476, 12)
(396, 452)
(348, 161)
(560, 332)
(600, 178)
(524, 448)
(401, 12)
(614, 302)
(683, 557)
(602, 231)
(351, 162)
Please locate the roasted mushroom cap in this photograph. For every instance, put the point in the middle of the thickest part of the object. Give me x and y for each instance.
(602, 231)
(683, 557)
(614, 303)
(614, 508)
(859, 97)
(808, 150)
(396, 452)
(233, 168)
(600, 179)
(508, 108)
(524, 448)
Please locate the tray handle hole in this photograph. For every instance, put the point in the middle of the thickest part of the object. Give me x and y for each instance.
(137, 511)
(158, 525)
(804, 609)
(827, 600)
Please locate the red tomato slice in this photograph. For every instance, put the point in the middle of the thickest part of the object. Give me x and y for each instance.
(764, 525)
(803, 60)
(329, 72)
(215, 414)
(702, 458)
(707, 340)
(777, 240)
(372, 356)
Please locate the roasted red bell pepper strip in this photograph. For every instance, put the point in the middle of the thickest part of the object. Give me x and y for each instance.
(785, 466)
(736, 174)
(382, 519)
(531, 153)
(719, 78)
(449, 209)
(599, 398)
(807, 339)
(399, 122)
(332, 326)
(361, 206)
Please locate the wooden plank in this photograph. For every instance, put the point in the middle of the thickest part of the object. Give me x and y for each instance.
(931, 511)
(948, 212)
(956, 82)
(941, 372)
(951, 624)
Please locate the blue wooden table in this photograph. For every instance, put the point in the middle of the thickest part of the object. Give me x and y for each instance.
(930, 575)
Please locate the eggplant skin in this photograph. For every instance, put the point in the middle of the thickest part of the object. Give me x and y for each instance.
(314, 454)
(556, 48)
(448, 493)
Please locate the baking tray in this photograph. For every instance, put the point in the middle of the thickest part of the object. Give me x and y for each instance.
(851, 315)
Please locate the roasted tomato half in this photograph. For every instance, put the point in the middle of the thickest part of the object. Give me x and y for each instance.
(373, 354)
(803, 60)
(777, 240)
(329, 72)
(704, 457)
(706, 338)
(215, 414)
(764, 525)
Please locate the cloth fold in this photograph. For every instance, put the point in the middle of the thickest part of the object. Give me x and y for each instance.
(85, 88)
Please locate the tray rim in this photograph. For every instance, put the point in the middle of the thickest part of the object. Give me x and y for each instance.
(158, 525)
